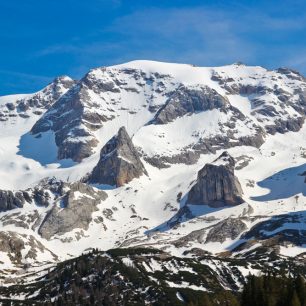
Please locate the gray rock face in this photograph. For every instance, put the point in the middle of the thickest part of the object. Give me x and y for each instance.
(73, 210)
(73, 119)
(73, 205)
(283, 126)
(72, 140)
(228, 228)
(186, 100)
(217, 184)
(10, 200)
(119, 162)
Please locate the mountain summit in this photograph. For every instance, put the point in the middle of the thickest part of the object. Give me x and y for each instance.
(182, 170)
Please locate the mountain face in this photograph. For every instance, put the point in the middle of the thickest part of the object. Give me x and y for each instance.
(186, 100)
(202, 164)
(99, 97)
(119, 162)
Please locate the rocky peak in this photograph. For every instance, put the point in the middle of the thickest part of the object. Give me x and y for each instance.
(36, 103)
(225, 159)
(217, 184)
(48, 95)
(60, 85)
(119, 162)
(64, 80)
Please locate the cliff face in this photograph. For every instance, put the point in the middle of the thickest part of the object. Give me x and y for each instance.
(217, 184)
(10, 200)
(119, 162)
(189, 100)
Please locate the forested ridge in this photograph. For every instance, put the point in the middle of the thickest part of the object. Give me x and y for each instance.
(105, 279)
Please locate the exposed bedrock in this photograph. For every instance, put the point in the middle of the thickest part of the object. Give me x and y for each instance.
(217, 184)
(119, 162)
(10, 200)
(72, 211)
(188, 100)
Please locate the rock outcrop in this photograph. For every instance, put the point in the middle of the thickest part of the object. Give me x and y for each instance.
(119, 162)
(10, 200)
(217, 184)
(73, 210)
(186, 100)
(229, 228)
(23, 248)
(39, 195)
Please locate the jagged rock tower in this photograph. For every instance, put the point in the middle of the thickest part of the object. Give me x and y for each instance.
(119, 162)
(217, 184)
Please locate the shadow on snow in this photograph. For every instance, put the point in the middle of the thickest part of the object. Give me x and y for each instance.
(42, 148)
(289, 227)
(283, 184)
(185, 213)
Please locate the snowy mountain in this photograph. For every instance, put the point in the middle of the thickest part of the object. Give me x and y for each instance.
(193, 161)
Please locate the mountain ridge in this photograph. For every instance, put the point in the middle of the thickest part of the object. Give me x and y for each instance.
(179, 119)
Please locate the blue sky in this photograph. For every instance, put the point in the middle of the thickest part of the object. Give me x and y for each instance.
(41, 39)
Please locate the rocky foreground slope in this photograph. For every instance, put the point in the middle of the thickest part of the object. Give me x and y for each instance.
(151, 277)
(189, 160)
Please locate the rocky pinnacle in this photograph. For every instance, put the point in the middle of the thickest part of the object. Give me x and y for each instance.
(217, 184)
(119, 162)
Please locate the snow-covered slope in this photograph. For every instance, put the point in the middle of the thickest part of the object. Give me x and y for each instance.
(179, 118)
